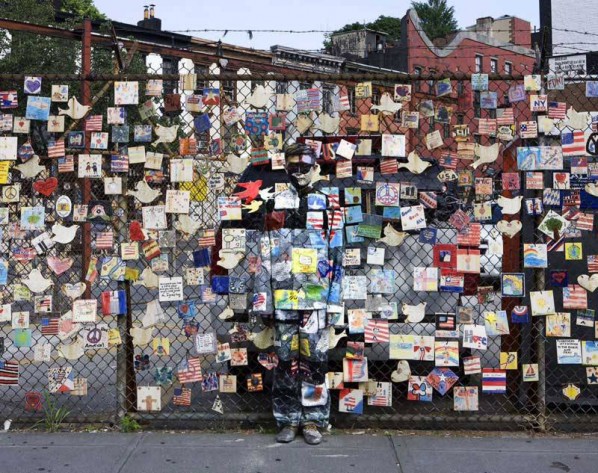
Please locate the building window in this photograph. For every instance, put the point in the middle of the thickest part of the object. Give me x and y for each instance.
(352, 104)
(460, 88)
(460, 119)
(494, 65)
(508, 68)
(304, 85)
(375, 100)
(201, 83)
(479, 63)
(328, 99)
(282, 87)
(431, 82)
(229, 90)
(447, 131)
(492, 113)
(477, 109)
(506, 100)
(170, 66)
(418, 72)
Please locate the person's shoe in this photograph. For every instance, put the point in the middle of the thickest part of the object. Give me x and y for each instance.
(287, 434)
(311, 434)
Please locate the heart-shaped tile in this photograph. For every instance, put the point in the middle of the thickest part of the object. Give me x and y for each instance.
(60, 265)
(33, 84)
(589, 283)
(74, 291)
(268, 360)
(46, 187)
(509, 229)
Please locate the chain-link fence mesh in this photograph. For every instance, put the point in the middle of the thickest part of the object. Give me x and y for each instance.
(428, 174)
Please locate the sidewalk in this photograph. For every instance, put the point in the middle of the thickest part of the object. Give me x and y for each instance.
(245, 452)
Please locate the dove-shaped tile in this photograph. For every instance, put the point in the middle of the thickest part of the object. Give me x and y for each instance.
(392, 237)
(328, 123)
(236, 164)
(259, 97)
(263, 339)
(75, 110)
(31, 168)
(485, 154)
(387, 105)
(415, 164)
(144, 193)
(414, 313)
(36, 282)
(147, 278)
(187, 226)
(62, 234)
(141, 336)
(229, 260)
(72, 351)
(165, 134)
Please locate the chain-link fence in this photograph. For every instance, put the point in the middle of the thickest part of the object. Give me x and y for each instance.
(444, 186)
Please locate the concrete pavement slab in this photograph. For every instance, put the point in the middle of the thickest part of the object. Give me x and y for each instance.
(260, 454)
(496, 454)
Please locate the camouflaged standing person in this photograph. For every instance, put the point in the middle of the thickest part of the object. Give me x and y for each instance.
(299, 278)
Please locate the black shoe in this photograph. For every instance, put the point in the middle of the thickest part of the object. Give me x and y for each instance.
(311, 434)
(287, 434)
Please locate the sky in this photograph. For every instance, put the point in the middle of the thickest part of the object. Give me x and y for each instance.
(293, 15)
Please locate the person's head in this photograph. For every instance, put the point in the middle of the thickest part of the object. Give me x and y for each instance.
(300, 164)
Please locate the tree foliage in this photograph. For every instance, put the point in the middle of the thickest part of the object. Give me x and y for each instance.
(31, 53)
(436, 17)
(386, 24)
(82, 8)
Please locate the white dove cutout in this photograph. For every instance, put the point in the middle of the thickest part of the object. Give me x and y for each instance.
(387, 105)
(144, 193)
(263, 339)
(236, 164)
(392, 237)
(229, 260)
(76, 111)
(72, 351)
(187, 226)
(509, 229)
(333, 338)
(414, 313)
(589, 283)
(226, 314)
(592, 189)
(165, 134)
(36, 282)
(73, 291)
(147, 278)
(575, 120)
(415, 164)
(64, 234)
(266, 194)
(509, 206)
(328, 123)
(141, 336)
(259, 98)
(31, 168)
(485, 154)
(402, 372)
